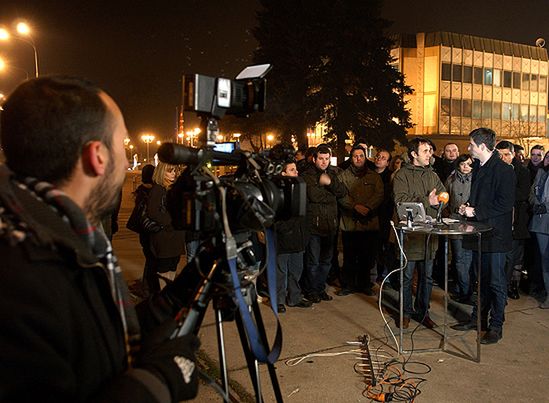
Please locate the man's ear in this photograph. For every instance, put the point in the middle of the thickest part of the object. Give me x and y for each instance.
(95, 158)
(413, 154)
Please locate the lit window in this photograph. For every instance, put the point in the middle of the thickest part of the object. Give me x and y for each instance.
(488, 76)
(497, 78)
(506, 110)
(486, 110)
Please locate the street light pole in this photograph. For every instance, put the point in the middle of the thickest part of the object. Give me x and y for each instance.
(24, 29)
(148, 139)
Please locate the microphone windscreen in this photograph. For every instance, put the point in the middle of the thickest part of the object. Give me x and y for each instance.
(443, 197)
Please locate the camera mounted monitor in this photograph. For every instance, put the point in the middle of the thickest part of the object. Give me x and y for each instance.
(217, 96)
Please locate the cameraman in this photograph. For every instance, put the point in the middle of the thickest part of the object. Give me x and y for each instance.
(69, 331)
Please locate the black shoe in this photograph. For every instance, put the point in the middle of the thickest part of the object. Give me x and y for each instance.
(491, 337)
(304, 303)
(314, 298)
(325, 297)
(343, 292)
(428, 323)
(513, 293)
(462, 327)
(281, 308)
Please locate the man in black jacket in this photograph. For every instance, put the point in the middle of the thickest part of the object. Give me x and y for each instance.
(491, 202)
(323, 190)
(291, 238)
(515, 257)
(71, 334)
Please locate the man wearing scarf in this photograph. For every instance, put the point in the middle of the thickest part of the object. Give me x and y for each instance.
(69, 331)
(359, 223)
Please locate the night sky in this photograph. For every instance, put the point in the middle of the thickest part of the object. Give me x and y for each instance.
(138, 50)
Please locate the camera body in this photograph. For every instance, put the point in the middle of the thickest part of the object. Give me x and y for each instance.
(256, 196)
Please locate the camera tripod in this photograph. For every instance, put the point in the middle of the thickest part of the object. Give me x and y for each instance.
(212, 287)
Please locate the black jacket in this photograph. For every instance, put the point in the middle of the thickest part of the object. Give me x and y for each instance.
(322, 201)
(291, 235)
(493, 190)
(62, 338)
(521, 214)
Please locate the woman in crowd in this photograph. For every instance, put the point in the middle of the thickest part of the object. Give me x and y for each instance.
(458, 185)
(141, 196)
(539, 199)
(167, 245)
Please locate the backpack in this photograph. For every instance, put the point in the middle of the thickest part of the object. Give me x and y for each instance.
(139, 221)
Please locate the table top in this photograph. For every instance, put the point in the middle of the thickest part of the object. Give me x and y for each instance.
(448, 227)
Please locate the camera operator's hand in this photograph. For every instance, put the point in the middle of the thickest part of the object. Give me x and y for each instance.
(172, 360)
(540, 209)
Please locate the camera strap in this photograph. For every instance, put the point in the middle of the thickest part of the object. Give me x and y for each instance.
(257, 346)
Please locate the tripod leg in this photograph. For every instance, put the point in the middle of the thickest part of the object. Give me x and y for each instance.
(253, 367)
(263, 335)
(222, 356)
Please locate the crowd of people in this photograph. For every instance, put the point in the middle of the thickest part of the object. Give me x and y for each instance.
(350, 208)
(71, 331)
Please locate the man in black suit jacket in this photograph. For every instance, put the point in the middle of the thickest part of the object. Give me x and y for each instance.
(491, 202)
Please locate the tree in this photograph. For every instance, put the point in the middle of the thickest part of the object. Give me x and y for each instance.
(332, 64)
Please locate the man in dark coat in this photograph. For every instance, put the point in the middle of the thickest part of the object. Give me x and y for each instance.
(491, 202)
(71, 333)
(323, 190)
(515, 258)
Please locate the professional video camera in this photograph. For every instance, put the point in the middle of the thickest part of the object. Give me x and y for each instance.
(226, 212)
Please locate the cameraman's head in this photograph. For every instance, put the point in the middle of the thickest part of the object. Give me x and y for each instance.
(69, 132)
(321, 157)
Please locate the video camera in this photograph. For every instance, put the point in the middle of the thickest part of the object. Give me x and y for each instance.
(257, 195)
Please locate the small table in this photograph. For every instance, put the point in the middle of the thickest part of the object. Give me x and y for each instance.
(444, 229)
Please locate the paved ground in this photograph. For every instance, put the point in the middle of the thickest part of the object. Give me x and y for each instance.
(514, 370)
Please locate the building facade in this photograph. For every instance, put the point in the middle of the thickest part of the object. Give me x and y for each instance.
(462, 82)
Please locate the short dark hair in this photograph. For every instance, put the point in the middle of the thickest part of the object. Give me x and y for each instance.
(537, 147)
(322, 149)
(504, 144)
(462, 158)
(359, 148)
(147, 174)
(484, 135)
(518, 147)
(413, 145)
(47, 121)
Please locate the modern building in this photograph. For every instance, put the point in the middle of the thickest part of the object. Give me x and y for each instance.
(462, 82)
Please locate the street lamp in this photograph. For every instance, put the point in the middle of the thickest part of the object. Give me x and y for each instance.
(147, 139)
(23, 34)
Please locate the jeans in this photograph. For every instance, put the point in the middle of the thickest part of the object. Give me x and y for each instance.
(318, 258)
(289, 267)
(543, 242)
(424, 287)
(462, 262)
(493, 288)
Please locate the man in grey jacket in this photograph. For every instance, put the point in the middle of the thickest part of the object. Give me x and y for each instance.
(418, 182)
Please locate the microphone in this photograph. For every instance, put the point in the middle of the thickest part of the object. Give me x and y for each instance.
(443, 198)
